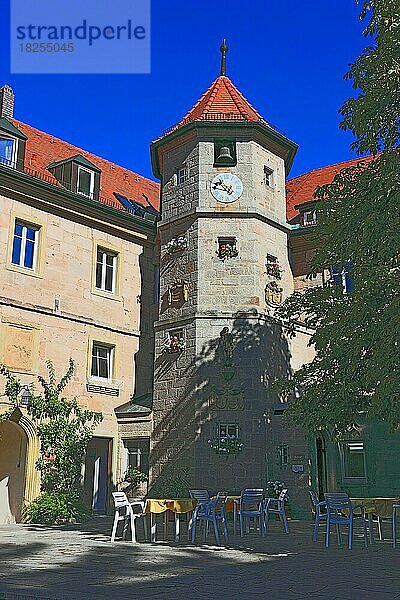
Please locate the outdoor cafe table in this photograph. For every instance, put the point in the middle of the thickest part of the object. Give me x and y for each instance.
(380, 507)
(178, 506)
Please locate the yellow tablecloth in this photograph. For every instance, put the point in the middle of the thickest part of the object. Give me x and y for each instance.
(176, 505)
(381, 507)
(229, 502)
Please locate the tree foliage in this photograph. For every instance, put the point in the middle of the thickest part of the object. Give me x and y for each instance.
(355, 335)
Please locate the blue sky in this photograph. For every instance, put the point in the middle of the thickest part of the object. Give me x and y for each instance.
(288, 58)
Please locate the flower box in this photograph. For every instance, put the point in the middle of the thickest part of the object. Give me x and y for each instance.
(226, 251)
(226, 446)
(274, 270)
(174, 344)
(177, 244)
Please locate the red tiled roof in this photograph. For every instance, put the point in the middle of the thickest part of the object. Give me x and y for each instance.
(300, 190)
(43, 149)
(224, 99)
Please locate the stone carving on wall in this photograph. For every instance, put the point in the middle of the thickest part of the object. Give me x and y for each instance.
(273, 294)
(178, 292)
(226, 395)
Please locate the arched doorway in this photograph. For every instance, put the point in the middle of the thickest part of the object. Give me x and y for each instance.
(13, 452)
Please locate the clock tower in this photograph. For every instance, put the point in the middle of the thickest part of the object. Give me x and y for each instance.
(223, 270)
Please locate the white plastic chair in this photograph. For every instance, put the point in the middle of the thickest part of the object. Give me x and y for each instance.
(319, 516)
(210, 512)
(251, 506)
(394, 523)
(276, 506)
(340, 511)
(124, 512)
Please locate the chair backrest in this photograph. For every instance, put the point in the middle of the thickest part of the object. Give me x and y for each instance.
(314, 497)
(200, 495)
(337, 501)
(120, 499)
(222, 496)
(282, 495)
(254, 497)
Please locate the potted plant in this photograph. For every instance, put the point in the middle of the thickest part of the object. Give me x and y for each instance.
(177, 244)
(274, 270)
(274, 488)
(226, 251)
(174, 344)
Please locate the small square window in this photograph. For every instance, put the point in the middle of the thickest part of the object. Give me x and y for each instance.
(25, 245)
(268, 176)
(181, 175)
(8, 152)
(85, 182)
(106, 270)
(227, 248)
(228, 430)
(353, 461)
(102, 361)
(309, 217)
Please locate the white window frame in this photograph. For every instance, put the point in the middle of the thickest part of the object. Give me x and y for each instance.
(114, 256)
(182, 175)
(91, 192)
(343, 452)
(110, 361)
(227, 426)
(14, 153)
(25, 227)
(268, 176)
(312, 220)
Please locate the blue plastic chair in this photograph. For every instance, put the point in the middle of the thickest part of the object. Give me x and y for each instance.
(210, 512)
(394, 523)
(276, 506)
(340, 511)
(251, 506)
(319, 515)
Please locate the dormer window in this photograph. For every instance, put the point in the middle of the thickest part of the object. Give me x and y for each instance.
(85, 182)
(8, 151)
(78, 175)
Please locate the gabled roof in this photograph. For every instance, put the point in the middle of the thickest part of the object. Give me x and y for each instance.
(300, 190)
(43, 150)
(136, 406)
(224, 101)
(81, 160)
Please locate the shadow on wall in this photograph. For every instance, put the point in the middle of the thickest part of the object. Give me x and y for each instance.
(13, 447)
(229, 382)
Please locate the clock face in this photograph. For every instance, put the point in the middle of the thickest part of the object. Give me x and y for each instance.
(226, 187)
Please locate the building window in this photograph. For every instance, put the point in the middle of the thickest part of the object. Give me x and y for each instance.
(227, 248)
(228, 430)
(25, 245)
(353, 461)
(268, 176)
(137, 454)
(106, 270)
(181, 175)
(338, 276)
(309, 217)
(102, 361)
(8, 152)
(283, 455)
(85, 182)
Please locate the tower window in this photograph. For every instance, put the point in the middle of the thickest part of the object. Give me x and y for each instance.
(227, 248)
(181, 175)
(268, 176)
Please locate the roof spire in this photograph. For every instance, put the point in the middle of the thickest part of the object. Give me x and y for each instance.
(223, 50)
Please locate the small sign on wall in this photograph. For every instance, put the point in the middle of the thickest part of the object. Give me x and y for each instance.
(298, 468)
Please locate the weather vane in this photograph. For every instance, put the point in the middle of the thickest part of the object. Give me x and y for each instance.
(223, 50)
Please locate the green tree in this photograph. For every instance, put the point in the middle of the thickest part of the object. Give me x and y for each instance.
(64, 429)
(356, 334)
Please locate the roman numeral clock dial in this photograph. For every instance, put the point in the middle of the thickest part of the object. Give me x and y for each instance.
(226, 187)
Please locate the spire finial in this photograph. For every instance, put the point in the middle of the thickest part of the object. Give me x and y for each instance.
(223, 50)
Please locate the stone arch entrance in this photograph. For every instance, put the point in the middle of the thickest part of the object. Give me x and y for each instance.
(13, 453)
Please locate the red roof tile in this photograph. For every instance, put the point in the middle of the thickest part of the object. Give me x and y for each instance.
(300, 190)
(43, 149)
(221, 100)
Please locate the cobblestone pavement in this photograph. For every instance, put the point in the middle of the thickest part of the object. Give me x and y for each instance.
(79, 562)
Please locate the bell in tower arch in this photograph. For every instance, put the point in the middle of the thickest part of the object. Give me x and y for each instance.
(224, 153)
